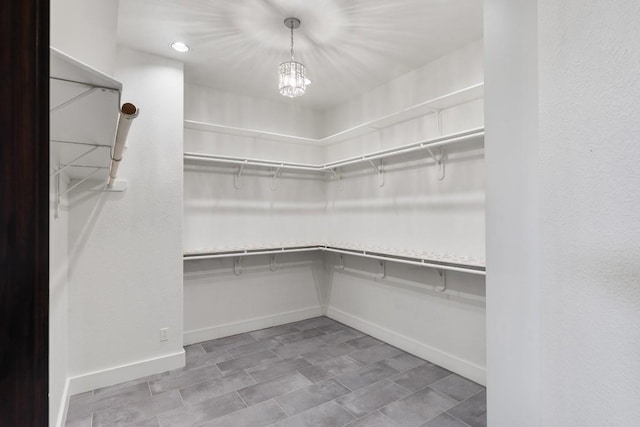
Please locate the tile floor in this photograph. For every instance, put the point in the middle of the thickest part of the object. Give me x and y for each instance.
(315, 372)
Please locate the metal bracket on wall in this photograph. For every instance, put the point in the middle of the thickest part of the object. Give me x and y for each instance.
(274, 177)
(382, 270)
(379, 169)
(237, 266)
(236, 178)
(340, 263)
(439, 159)
(443, 280)
(273, 263)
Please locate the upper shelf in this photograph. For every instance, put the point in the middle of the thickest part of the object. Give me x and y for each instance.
(84, 116)
(433, 105)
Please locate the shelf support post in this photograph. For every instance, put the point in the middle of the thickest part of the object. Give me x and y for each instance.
(439, 159)
(237, 266)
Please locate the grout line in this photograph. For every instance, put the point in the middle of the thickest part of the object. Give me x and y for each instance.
(243, 401)
(456, 418)
(281, 408)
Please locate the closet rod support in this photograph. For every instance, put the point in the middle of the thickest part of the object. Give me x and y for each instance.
(379, 170)
(237, 266)
(439, 159)
(236, 179)
(443, 280)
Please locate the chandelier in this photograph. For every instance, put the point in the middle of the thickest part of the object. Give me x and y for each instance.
(293, 79)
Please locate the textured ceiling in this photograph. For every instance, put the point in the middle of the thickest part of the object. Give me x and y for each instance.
(348, 46)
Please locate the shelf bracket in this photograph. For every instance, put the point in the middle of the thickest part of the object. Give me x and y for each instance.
(237, 266)
(443, 280)
(74, 99)
(273, 263)
(379, 169)
(439, 159)
(439, 121)
(72, 162)
(340, 263)
(274, 177)
(236, 178)
(68, 190)
(382, 270)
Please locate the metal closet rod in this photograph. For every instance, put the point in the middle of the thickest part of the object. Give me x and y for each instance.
(327, 167)
(356, 252)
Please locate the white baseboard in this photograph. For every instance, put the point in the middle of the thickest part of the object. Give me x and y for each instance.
(122, 373)
(63, 405)
(248, 325)
(453, 363)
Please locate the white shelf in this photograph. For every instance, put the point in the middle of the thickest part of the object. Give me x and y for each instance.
(472, 135)
(424, 259)
(433, 105)
(84, 115)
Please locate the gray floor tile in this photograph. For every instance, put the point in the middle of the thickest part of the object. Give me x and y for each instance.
(150, 422)
(299, 347)
(300, 400)
(364, 342)
(80, 422)
(254, 347)
(334, 327)
(198, 413)
(316, 322)
(227, 342)
(328, 415)
(84, 407)
(367, 375)
(418, 408)
(194, 351)
(404, 362)
(330, 368)
(269, 371)
(444, 420)
(375, 354)
(245, 362)
(341, 336)
(457, 387)
(375, 419)
(264, 334)
(184, 378)
(421, 376)
(139, 411)
(260, 415)
(298, 336)
(472, 411)
(371, 398)
(273, 388)
(202, 359)
(215, 387)
(327, 353)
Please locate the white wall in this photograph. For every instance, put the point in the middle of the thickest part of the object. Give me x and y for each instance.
(86, 30)
(562, 206)
(58, 298)
(414, 212)
(456, 70)
(511, 146)
(589, 190)
(262, 212)
(125, 248)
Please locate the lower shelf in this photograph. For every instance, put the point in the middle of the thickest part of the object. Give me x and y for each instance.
(426, 259)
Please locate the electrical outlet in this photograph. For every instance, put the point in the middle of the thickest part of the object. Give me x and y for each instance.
(164, 334)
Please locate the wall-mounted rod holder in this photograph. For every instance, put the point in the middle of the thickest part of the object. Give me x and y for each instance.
(379, 169)
(340, 263)
(273, 263)
(237, 266)
(382, 270)
(237, 183)
(443, 280)
(439, 159)
(274, 178)
(128, 113)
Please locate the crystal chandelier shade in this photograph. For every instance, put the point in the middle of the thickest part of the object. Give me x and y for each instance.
(293, 79)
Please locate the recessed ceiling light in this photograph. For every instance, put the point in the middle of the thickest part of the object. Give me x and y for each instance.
(179, 47)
